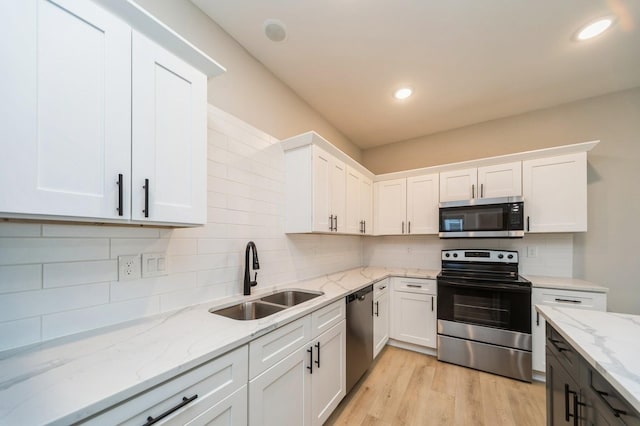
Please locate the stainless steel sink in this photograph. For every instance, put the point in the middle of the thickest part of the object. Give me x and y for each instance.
(248, 310)
(290, 297)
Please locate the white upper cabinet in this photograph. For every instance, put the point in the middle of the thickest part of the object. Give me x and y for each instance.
(422, 204)
(169, 137)
(501, 180)
(555, 193)
(92, 109)
(66, 114)
(326, 191)
(390, 200)
(407, 206)
(359, 202)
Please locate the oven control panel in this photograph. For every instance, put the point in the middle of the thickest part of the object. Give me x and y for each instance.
(475, 255)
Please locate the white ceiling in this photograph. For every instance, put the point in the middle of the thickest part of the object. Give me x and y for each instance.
(468, 61)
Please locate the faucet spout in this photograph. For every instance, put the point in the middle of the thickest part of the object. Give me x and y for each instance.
(251, 246)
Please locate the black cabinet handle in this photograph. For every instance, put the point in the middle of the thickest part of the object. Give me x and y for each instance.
(482, 190)
(335, 227)
(554, 343)
(577, 302)
(318, 360)
(616, 412)
(473, 191)
(146, 198)
(377, 313)
(414, 285)
(409, 227)
(403, 227)
(567, 414)
(120, 191)
(431, 303)
(185, 401)
(365, 226)
(528, 224)
(537, 318)
(310, 367)
(331, 223)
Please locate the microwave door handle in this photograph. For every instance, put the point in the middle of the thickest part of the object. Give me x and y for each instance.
(512, 288)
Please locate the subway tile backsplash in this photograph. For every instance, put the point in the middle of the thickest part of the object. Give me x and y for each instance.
(58, 279)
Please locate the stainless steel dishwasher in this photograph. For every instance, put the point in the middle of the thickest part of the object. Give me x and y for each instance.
(359, 334)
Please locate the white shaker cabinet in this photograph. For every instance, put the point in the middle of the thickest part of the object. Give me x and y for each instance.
(500, 180)
(561, 298)
(381, 318)
(555, 193)
(66, 110)
(359, 203)
(407, 205)
(413, 311)
(168, 137)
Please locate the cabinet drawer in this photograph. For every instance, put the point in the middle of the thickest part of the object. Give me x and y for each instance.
(573, 299)
(380, 287)
(562, 350)
(325, 318)
(415, 285)
(267, 350)
(231, 411)
(211, 382)
(611, 403)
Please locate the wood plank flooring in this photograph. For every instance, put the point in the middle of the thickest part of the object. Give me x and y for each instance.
(408, 388)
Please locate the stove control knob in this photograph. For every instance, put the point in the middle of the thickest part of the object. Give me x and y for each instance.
(455, 254)
(447, 255)
(500, 256)
(510, 256)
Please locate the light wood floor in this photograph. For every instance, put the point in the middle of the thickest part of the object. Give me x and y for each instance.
(408, 388)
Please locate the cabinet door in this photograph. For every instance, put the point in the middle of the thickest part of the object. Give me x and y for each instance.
(321, 191)
(353, 204)
(328, 381)
(413, 318)
(66, 115)
(169, 136)
(366, 205)
(282, 394)
(502, 180)
(390, 207)
(555, 193)
(562, 391)
(422, 204)
(459, 185)
(380, 322)
(338, 193)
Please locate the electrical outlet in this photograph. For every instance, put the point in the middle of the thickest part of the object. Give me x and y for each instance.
(128, 267)
(532, 251)
(154, 264)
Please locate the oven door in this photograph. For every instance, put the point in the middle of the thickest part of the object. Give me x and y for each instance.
(479, 303)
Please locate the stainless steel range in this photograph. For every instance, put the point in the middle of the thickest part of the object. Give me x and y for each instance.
(484, 312)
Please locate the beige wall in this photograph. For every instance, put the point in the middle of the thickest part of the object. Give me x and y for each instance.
(247, 90)
(607, 253)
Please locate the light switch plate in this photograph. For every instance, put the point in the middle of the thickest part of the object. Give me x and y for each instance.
(532, 251)
(128, 267)
(154, 265)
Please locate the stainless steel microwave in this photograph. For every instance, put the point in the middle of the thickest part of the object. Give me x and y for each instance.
(482, 218)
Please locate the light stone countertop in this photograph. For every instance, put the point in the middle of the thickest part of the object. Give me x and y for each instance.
(559, 283)
(68, 379)
(609, 342)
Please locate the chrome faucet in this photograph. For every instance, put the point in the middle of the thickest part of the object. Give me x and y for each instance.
(247, 276)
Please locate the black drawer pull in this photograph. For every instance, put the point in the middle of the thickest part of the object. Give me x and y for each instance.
(310, 367)
(555, 342)
(377, 313)
(318, 348)
(185, 401)
(568, 301)
(616, 412)
(414, 285)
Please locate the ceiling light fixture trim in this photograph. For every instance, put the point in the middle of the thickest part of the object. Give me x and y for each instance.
(275, 30)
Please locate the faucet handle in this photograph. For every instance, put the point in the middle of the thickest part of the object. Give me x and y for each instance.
(255, 280)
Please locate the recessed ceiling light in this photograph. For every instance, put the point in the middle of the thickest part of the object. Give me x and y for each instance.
(403, 93)
(594, 29)
(275, 30)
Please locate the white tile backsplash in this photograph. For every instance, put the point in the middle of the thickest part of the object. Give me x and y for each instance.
(60, 279)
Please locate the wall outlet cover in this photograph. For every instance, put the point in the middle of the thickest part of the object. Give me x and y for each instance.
(532, 251)
(154, 264)
(129, 267)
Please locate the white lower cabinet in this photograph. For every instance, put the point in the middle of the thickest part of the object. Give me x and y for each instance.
(216, 392)
(555, 297)
(308, 381)
(380, 316)
(413, 311)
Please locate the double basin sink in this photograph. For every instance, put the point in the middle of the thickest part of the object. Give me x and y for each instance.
(265, 306)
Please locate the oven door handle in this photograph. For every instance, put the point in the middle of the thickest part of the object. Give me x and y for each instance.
(511, 288)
